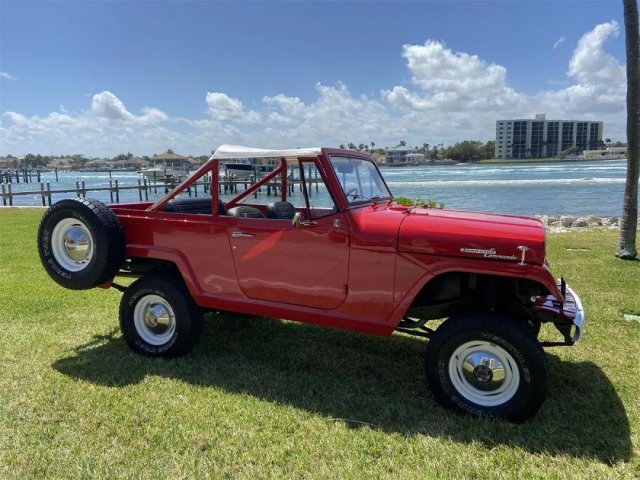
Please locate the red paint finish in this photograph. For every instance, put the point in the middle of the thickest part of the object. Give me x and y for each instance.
(276, 261)
(357, 267)
(473, 235)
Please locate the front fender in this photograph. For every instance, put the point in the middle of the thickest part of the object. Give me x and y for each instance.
(414, 271)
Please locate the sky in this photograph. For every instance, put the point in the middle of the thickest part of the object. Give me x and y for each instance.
(102, 78)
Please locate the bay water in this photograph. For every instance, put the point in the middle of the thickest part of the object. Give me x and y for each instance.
(558, 188)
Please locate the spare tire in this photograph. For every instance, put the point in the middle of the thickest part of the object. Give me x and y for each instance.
(81, 243)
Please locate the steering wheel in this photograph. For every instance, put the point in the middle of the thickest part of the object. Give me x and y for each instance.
(354, 192)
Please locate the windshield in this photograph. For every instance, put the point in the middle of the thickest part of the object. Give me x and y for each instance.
(360, 179)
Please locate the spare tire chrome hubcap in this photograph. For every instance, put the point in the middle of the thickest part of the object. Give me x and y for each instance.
(72, 244)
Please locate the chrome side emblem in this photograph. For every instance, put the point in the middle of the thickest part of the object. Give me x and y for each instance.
(524, 251)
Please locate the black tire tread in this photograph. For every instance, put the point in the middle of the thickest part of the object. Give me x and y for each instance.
(515, 332)
(99, 216)
(189, 316)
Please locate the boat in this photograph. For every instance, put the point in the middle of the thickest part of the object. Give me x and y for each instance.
(160, 173)
(244, 170)
(167, 165)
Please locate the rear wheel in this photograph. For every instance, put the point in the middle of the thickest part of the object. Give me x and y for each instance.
(158, 318)
(487, 365)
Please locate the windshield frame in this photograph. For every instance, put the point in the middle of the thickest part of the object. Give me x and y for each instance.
(364, 200)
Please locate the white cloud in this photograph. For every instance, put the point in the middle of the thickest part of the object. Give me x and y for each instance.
(599, 86)
(558, 42)
(452, 81)
(450, 96)
(590, 64)
(107, 105)
(7, 76)
(225, 108)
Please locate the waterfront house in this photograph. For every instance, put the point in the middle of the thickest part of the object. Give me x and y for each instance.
(398, 154)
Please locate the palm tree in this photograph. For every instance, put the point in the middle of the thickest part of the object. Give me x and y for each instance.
(373, 144)
(628, 221)
(403, 143)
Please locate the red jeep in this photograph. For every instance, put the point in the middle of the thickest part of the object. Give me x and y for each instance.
(334, 250)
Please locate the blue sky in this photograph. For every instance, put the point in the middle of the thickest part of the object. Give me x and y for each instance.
(102, 77)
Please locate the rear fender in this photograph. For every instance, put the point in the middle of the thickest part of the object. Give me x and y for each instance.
(171, 255)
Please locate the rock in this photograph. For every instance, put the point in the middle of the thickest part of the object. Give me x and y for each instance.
(544, 219)
(553, 219)
(580, 222)
(554, 223)
(594, 221)
(610, 221)
(566, 221)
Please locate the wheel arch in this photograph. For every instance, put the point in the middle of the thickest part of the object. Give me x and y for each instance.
(162, 259)
(432, 278)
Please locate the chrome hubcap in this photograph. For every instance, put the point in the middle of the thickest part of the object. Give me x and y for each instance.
(76, 243)
(72, 244)
(154, 319)
(483, 370)
(484, 373)
(157, 318)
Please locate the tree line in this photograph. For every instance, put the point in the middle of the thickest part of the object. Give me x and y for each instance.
(464, 151)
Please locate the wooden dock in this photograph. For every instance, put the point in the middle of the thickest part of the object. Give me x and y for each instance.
(226, 185)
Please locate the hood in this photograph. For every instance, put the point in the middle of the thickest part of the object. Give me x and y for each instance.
(473, 235)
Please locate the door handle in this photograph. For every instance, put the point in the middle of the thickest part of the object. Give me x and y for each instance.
(241, 235)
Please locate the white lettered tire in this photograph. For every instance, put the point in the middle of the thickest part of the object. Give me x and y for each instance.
(81, 243)
(158, 317)
(488, 365)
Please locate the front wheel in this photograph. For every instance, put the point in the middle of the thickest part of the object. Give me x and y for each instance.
(487, 365)
(158, 318)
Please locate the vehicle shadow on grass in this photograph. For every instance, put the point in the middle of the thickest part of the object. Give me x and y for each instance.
(366, 382)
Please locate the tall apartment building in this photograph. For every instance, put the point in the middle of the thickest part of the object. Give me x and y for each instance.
(539, 137)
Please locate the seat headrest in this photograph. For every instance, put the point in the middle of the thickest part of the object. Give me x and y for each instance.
(281, 210)
(245, 212)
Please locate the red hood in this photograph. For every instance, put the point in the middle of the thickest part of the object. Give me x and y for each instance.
(470, 234)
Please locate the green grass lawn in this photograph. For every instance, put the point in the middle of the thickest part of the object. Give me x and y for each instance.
(263, 398)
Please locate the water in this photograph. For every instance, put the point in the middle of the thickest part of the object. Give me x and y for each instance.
(560, 188)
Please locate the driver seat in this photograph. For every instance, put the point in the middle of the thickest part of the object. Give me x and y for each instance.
(281, 210)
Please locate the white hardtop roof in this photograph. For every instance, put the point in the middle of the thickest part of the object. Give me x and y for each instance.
(236, 151)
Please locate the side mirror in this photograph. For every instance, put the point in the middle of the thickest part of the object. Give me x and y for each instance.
(295, 222)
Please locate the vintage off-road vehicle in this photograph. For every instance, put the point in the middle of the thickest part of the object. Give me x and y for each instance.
(340, 253)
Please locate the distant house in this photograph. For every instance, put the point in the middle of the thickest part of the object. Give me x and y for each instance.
(171, 161)
(398, 154)
(133, 164)
(60, 163)
(97, 163)
(609, 153)
(415, 158)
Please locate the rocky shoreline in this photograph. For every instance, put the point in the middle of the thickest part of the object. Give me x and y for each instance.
(564, 223)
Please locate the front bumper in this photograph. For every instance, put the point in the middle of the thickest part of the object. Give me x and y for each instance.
(564, 314)
(578, 320)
